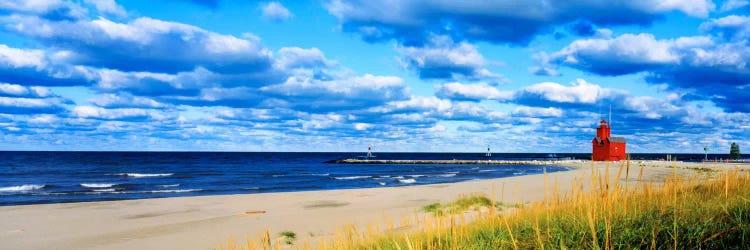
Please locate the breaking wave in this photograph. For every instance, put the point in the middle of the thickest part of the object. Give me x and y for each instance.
(98, 185)
(407, 181)
(139, 175)
(21, 188)
(353, 177)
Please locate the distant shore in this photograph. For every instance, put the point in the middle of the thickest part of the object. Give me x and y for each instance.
(204, 222)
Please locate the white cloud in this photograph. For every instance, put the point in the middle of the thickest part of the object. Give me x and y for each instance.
(580, 91)
(26, 102)
(13, 89)
(730, 5)
(145, 44)
(731, 27)
(126, 100)
(296, 57)
(537, 112)
(275, 11)
(442, 58)
(108, 114)
(42, 7)
(351, 92)
(478, 91)
(108, 7)
(18, 58)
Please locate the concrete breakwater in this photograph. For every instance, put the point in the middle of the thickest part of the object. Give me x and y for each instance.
(495, 162)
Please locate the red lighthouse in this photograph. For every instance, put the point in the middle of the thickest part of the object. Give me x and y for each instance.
(606, 147)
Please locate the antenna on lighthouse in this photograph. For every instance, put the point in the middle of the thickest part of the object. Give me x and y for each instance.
(610, 115)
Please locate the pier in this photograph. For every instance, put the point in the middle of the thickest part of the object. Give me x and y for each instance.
(474, 162)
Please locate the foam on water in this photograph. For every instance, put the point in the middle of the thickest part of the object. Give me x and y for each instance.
(22, 188)
(353, 177)
(140, 175)
(407, 181)
(97, 185)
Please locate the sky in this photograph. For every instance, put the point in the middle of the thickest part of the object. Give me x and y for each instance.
(402, 76)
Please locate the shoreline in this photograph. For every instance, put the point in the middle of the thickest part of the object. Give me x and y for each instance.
(203, 222)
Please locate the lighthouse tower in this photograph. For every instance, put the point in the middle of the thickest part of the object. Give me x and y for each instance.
(606, 147)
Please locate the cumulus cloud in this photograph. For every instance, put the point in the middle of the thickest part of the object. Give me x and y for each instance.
(501, 21)
(441, 58)
(537, 112)
(296, 57)
(50, 9)
(109, 7)
(40, 68)
(110, 114)
(144, 44)
(275, 11)
(358, 92)
(580, 91)
(125, 100)
(730, 5)
(17, 99)
(429, 110)
(471, 92)
(730, 28)
(696, 64)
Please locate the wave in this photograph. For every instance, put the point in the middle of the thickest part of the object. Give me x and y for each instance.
(452, 172)
(97, 185)
(382, 183)
(416, 175)
(446, 175)
(326, 174)
(174, 191)
(139, 175)
(113, 191)
(353, 177)
(22, 188)
(407, 181)
(487, 170)
(168, 186)
(105, 190)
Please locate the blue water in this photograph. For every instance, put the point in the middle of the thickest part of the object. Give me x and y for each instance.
(55, 177)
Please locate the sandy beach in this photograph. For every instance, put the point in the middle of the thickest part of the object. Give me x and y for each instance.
(204, 222)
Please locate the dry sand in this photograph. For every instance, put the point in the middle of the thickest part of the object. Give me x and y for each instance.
(206, 221)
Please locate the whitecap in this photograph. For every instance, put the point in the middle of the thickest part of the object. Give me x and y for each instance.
(174, 191)
(353, 177)
(168, 186)
(139, 175)
(104, 190)
(97, 185)
(382, 183)
(416, 175)
(447, 175)
(21, 188)
(406, 181)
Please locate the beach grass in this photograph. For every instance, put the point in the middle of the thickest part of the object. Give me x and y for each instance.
(608, 209)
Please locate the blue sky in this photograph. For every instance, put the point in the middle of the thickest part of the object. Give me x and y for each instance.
(335, 75)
